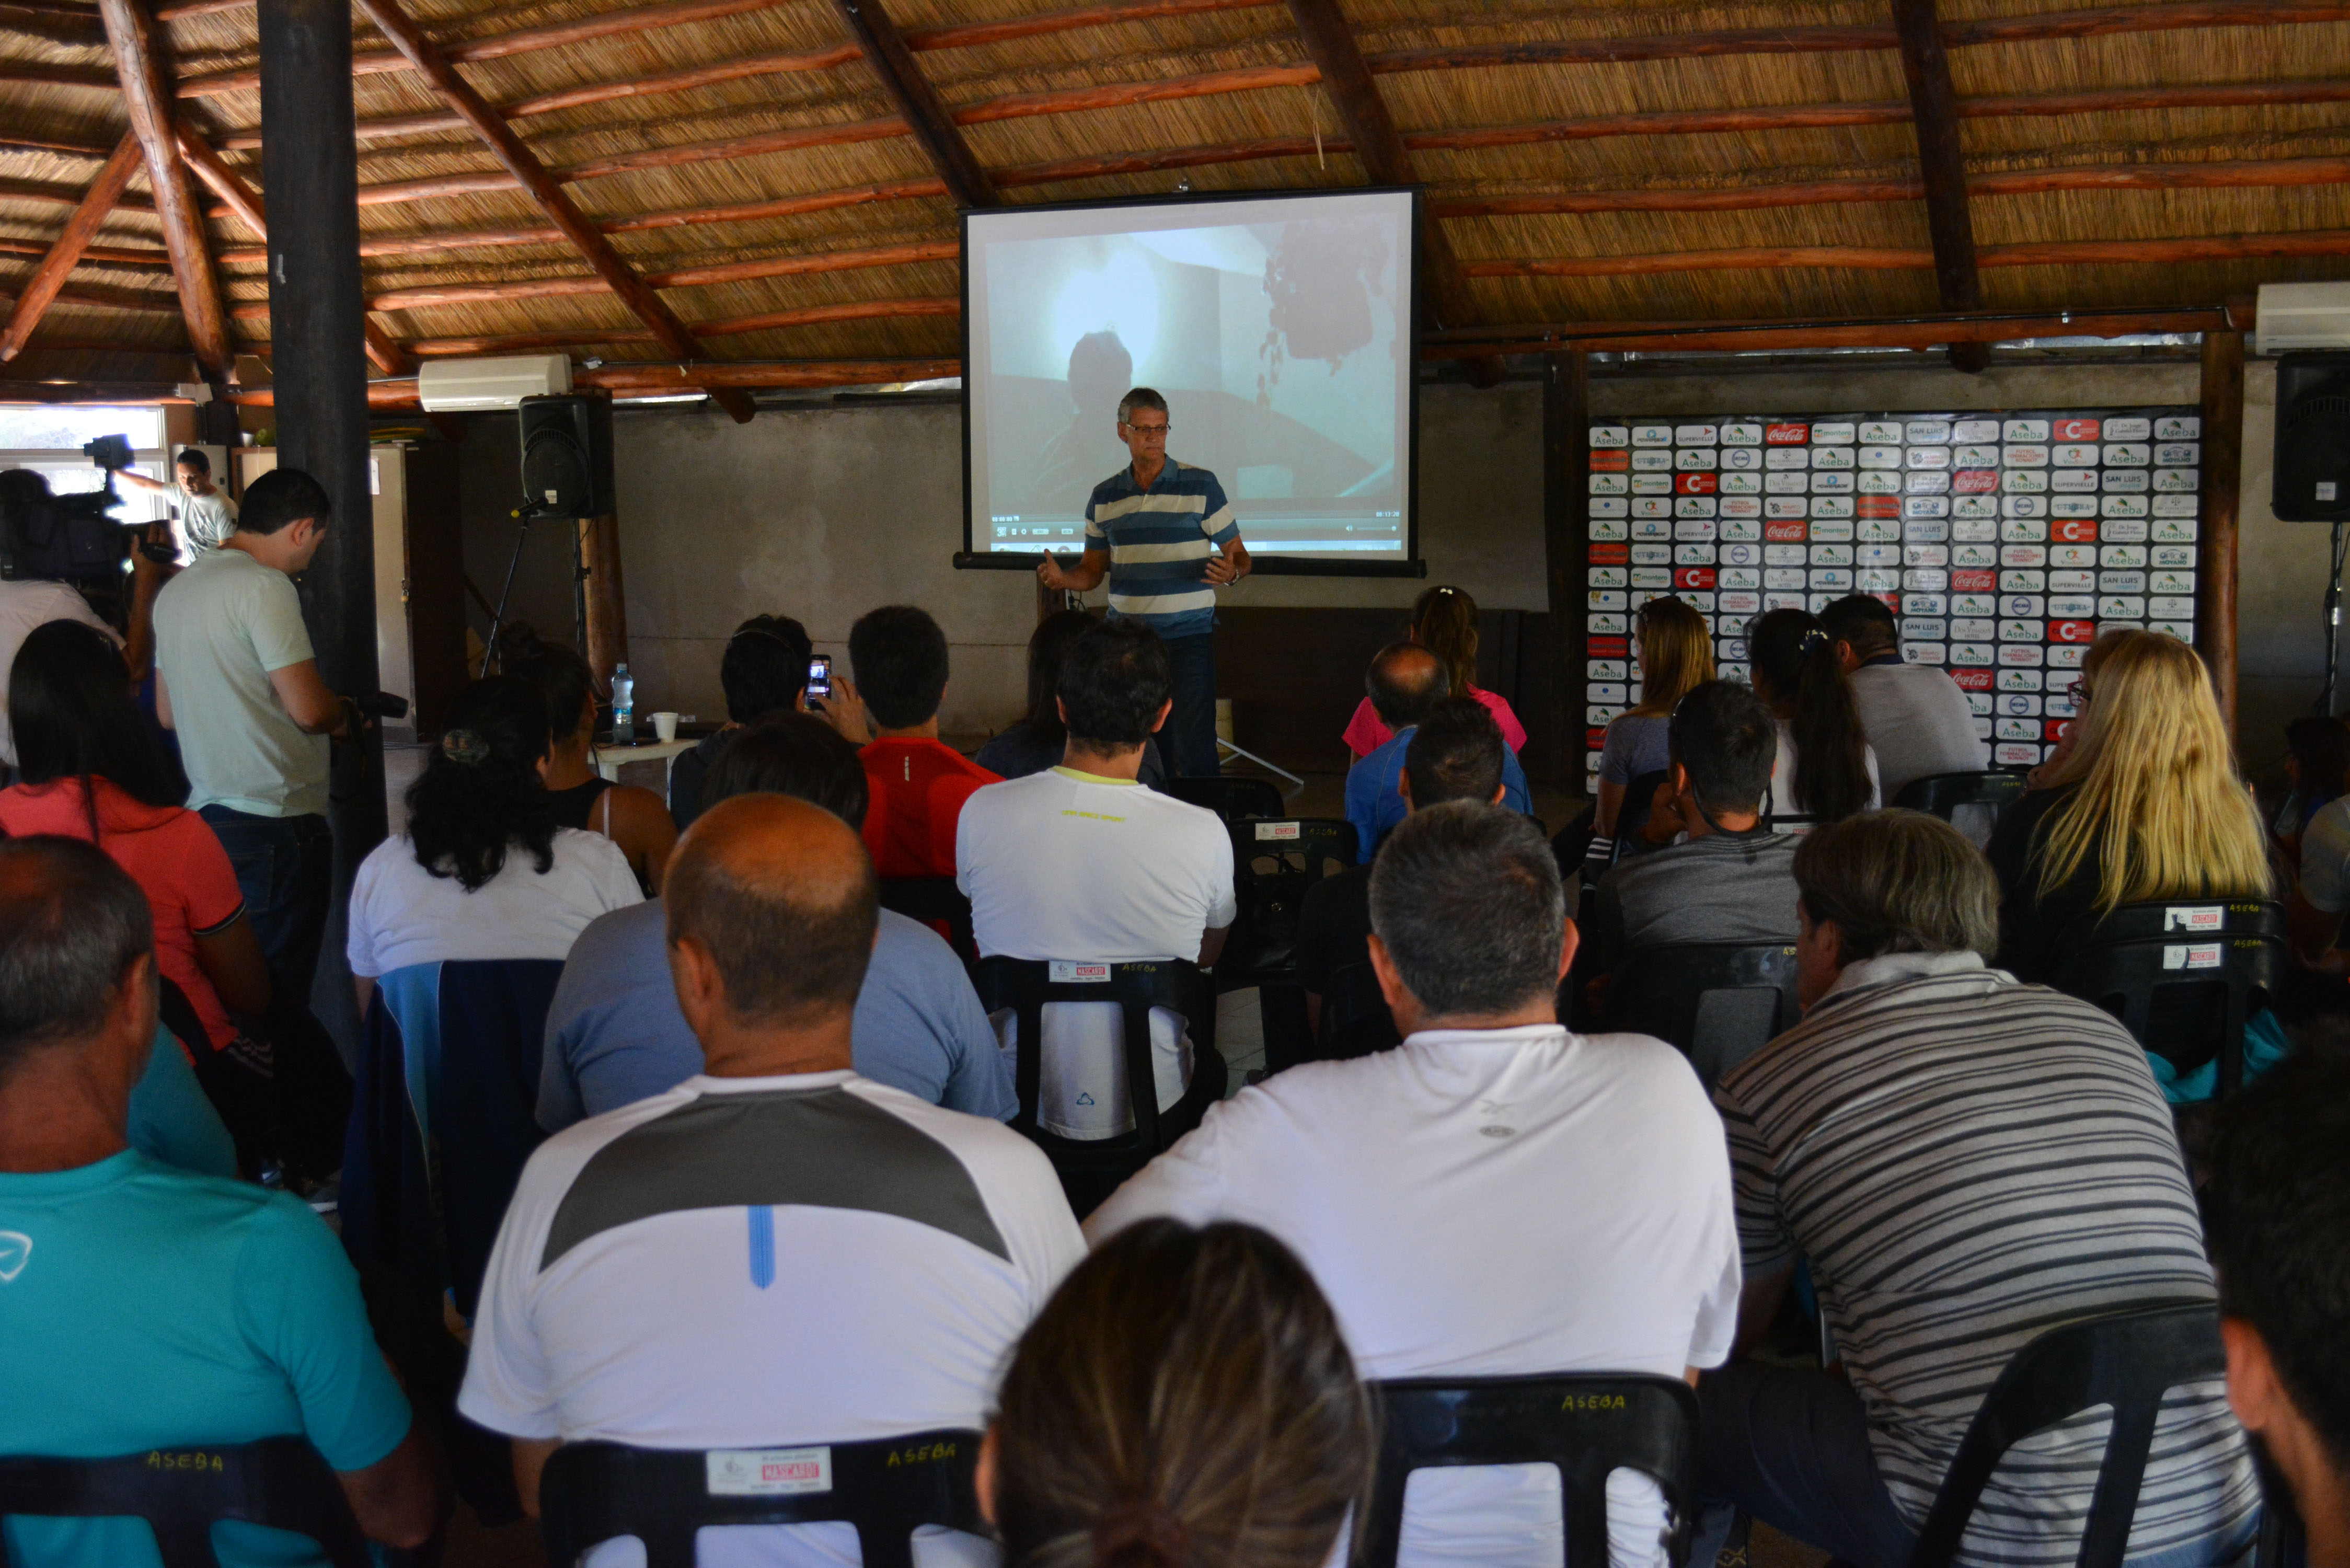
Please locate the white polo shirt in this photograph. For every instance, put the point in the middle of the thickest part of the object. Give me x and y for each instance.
(762, 1263)
(1483, 1203)
(1065, 865)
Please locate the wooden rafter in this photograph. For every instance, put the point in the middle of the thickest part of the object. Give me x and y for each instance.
(41, 289)
(245, 202)
(145, 94)
(918, 102)
(1444, 295)
(394, 24)
(1941, 167)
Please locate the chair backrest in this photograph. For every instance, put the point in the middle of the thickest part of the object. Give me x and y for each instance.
(281, 1482)
(1274, 863)
(887, 1489)
(1718, 1002)
(1234, 799)
(1024, 986)
(2183, 977)
(1972, 803)
(1355, 1021)
(2127, 1361)
(1587, 1424)
(937, 902)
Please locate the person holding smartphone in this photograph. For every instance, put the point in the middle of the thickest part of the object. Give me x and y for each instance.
(765, 670)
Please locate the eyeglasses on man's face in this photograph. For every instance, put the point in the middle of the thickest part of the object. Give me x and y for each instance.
(1147, 431)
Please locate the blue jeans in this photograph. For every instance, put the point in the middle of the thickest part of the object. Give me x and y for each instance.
(1190, 736)
(285, 869)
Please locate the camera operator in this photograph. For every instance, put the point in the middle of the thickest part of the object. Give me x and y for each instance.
(237, 681)
(207, 516)
(30, 601)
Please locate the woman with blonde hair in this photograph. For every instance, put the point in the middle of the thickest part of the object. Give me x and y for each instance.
(2141, 803)
(1185, 1400)
(1444, 622)
(1676, 651)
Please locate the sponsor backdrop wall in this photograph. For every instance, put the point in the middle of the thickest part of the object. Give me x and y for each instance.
(2004, 542)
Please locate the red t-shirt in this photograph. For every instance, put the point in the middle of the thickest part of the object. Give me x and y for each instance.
(173, 857)
(918, 789)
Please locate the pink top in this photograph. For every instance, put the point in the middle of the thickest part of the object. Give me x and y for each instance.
(1365, 734)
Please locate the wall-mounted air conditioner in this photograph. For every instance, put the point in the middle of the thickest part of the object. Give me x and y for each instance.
(471, 386)
(2301, 315)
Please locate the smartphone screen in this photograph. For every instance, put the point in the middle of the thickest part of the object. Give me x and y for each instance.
(820, 682)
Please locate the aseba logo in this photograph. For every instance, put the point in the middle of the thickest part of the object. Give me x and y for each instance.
(16, 1251)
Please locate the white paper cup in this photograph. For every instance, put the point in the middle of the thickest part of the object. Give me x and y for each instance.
(665, 726)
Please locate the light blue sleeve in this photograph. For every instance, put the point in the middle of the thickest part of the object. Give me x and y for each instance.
(298, 1304)
(171, 1119)
(559, 1103)
(919, 1027)
(1514, 792)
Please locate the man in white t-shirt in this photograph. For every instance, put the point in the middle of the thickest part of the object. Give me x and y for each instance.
(778, 1253)
(207, 516)
(1082, 862)
(1917, 720)
(1495, 1196)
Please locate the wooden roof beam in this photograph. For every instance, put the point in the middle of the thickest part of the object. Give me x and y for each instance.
(385, 356)
(41, 289)
(147, 95)
(53, 21)
(1941, 167)
(918, 102)
(545, 189)
(1330, 42)
(1866, 258)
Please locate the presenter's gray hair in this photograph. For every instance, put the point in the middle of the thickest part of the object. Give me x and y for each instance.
(1466, 896)
(1140, 397)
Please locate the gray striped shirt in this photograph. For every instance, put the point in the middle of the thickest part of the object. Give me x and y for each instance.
(1967, 1162)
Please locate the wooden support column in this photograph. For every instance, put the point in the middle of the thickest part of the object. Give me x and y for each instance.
(1941, 163)
(40, 290)
(2215, 553)
(1330, 44)
(546, 191)
(1566, 518)
(245, 202)
(147, 95)
(319, 377)
(886, 51)
(604, 599)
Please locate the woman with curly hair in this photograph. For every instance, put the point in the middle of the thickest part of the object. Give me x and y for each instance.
(459, 928)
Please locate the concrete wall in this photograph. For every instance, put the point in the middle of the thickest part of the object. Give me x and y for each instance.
(824, 514)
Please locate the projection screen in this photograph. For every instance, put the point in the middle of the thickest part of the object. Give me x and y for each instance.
(1279, 328)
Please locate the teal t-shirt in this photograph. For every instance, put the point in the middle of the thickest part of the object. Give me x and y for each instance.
(142, 1307)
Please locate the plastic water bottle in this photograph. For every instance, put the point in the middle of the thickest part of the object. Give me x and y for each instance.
(624, 708)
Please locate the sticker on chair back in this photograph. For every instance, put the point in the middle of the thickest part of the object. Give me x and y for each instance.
(2198, 955)
(768, 1472)
(1068, 971)
(1276, 830)
(2196, 918)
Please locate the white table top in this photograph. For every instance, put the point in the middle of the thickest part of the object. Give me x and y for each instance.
(608, 760)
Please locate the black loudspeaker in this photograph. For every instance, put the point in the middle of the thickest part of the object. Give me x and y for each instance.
(566, 456)
(2311, 481)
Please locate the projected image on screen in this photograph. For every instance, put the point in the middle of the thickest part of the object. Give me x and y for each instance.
(1278, 330)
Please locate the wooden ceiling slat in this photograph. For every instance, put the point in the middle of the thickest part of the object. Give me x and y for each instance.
(1941, 167)
(147, 96)
(41, 289)
(543, 189)
(2050, 252)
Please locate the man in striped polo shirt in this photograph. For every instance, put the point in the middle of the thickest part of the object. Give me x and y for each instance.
(1965, 1162)
(1155, 528)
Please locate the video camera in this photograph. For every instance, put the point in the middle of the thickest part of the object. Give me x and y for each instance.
(65, 538)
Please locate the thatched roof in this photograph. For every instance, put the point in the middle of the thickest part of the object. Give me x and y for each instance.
(755, 132)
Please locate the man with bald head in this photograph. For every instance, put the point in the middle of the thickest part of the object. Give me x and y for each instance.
(1406, 683)
(778, 1253)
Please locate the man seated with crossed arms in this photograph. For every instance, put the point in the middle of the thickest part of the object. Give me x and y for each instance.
(1496, 1196)
(778, 1252)
(1082, 862)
